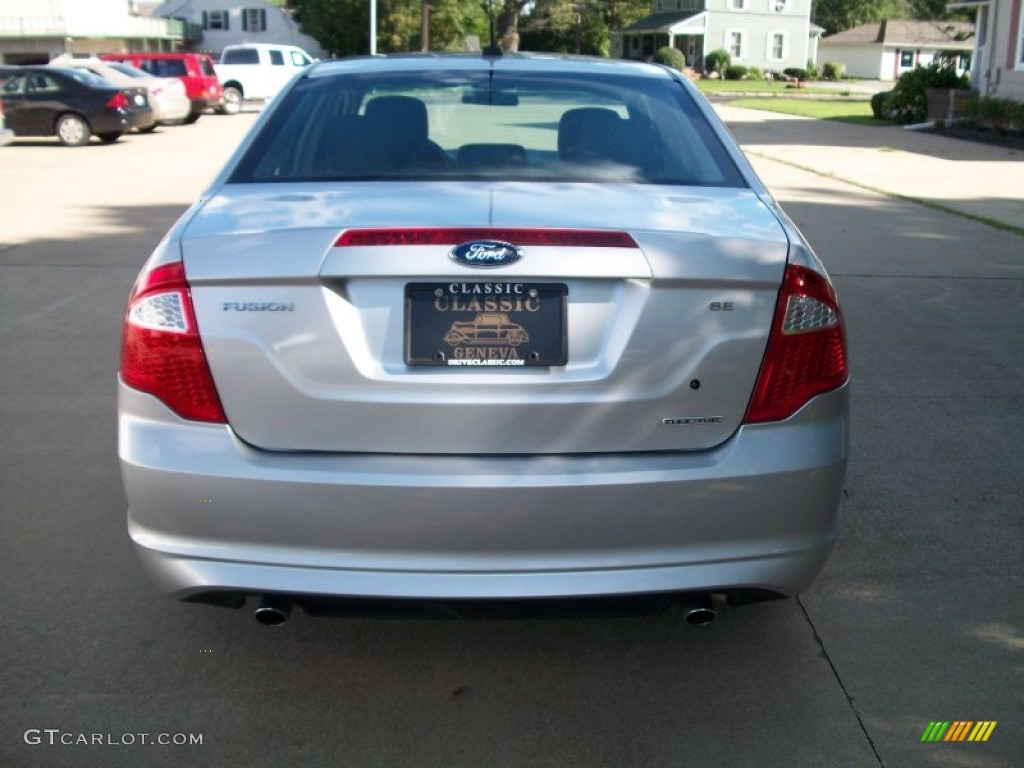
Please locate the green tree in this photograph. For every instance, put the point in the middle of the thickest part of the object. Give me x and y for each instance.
(577, 26)
(343, 26)
(838, 15)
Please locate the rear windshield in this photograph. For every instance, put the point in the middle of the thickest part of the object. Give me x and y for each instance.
(127, 69)
(241, 56)
(479, 125)
(164, 67)
(85, 76)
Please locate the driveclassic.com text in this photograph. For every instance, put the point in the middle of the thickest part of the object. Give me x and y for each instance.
(55, 736)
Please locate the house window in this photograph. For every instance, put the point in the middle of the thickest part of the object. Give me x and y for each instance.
(1020, 44)
(734, 42)
(736, 5)
(254, 19)
(216, 20)
(906, 59)
(777, 46)
(779, 6)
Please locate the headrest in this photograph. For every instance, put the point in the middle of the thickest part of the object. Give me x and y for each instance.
(398, 114)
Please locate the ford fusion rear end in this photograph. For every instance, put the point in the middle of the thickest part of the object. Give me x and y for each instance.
(476, 328)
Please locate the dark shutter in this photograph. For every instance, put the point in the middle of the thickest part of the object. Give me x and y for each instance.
(263, 19)
(206, 20)
(227, 19)
(245, 19)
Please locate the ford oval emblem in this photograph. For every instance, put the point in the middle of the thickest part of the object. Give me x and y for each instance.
(486, 253)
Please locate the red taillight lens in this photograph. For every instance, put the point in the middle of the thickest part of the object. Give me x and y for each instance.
(161, 352)
(118, 101)
(806, 352)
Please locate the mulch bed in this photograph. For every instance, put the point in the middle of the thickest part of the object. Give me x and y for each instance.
(982, 135)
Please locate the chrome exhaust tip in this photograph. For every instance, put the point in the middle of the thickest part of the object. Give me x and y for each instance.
(699, 613)
(699, 617)
(272, 612)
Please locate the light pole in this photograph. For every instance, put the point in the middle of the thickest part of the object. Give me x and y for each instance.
(373, 27)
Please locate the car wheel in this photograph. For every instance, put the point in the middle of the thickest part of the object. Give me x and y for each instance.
(109, 138)
(232, 102)
(72, 130)
(192, 117)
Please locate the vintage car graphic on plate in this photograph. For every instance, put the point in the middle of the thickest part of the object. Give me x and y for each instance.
(487, 328)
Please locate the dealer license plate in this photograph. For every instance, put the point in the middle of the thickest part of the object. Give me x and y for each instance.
(493, 324)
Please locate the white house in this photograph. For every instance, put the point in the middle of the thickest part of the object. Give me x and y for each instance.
(771, 34)
(884, 50)
(997, 68)
(35, 31)
(231, 22)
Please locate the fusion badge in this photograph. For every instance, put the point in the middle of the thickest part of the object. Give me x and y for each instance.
(486, 253)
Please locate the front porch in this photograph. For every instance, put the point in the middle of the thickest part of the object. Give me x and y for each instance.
(681, 30)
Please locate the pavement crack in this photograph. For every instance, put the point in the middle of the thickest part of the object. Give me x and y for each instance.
(839, 680)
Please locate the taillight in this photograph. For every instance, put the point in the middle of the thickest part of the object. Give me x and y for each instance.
(118, 101)
(806, 352)
(161, 352)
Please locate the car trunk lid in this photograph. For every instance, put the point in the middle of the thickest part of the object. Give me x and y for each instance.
(306, 329)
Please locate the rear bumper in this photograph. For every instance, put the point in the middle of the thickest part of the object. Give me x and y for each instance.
(109, 121)
(207, 513)
(205, 101)
(141, 118)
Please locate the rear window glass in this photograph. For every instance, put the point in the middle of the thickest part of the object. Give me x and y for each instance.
(127, 69)
(206, 65)
(164, 67)
(86, 76)
(241, 56)
(509, 126)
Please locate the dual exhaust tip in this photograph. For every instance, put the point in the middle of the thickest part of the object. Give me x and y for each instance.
(274, 612)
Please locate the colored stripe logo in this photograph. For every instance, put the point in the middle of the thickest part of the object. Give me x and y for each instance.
(958, 730)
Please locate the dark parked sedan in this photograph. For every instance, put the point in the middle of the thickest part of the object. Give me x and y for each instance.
(70, 104)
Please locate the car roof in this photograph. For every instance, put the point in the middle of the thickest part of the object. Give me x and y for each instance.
(152, 55)
(468, 62)
(264, 45)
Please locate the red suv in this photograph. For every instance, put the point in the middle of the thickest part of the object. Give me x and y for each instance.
(193, 69)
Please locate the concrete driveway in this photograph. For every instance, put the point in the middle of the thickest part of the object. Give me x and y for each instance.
(917, 618)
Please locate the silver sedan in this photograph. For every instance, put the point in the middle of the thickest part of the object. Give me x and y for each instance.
(477, 328)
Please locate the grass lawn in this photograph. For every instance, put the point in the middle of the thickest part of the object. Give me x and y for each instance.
(844, 111)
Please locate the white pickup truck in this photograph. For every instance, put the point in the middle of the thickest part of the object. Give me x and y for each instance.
(257, 71)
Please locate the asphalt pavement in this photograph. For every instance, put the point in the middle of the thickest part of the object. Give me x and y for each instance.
(917, 618)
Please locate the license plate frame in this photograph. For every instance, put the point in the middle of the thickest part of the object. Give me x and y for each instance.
(486, 324)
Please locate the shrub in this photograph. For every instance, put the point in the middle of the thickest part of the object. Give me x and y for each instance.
(909, 99)
(880, 105)
(812, 71)
(832, 70)
(799, 74)
(717, 61)
(735, 72)
(996, 113)
(670, 57)
(755, 73)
